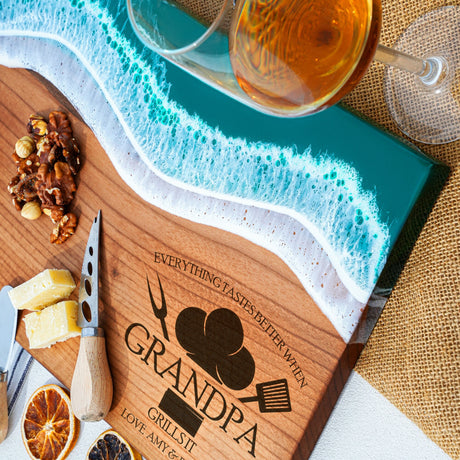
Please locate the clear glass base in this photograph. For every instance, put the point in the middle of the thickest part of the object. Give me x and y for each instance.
(428, 113)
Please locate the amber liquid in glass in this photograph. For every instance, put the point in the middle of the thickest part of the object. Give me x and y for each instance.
(300, 56)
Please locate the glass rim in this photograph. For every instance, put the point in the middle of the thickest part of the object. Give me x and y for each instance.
(185, 49)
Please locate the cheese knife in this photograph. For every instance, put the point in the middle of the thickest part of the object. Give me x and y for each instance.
(92, 389)
(8, 323)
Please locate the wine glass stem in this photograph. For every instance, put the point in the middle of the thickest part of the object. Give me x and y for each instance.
(432, 71)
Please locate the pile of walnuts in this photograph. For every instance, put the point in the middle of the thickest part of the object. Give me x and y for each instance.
(47, 162)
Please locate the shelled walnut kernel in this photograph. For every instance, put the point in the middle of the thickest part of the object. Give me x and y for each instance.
(47, 162)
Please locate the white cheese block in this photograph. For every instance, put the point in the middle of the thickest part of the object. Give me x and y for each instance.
(46, 288)
(55, 323)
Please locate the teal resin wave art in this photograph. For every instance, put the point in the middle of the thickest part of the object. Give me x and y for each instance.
(322, 192)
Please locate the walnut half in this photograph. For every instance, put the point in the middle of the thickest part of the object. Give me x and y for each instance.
(55, 186)
(60, 134)
(64, 228)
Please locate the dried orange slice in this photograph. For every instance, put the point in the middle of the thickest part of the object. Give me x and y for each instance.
(111, 446)
(49, 428)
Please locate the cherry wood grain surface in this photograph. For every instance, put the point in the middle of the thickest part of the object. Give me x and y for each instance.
(177, 389)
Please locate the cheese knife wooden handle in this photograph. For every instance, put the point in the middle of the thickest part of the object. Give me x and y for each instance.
(3, 406)
(92, 388)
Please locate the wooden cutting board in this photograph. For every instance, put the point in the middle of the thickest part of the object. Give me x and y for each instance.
(179, 393)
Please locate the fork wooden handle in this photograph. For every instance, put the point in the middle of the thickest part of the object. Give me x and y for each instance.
(3, 406)
(92, 389)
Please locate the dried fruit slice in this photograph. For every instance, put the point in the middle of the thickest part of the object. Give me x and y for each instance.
(111, 446)
(49, 428)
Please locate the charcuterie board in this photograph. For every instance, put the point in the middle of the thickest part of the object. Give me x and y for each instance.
(242, 363)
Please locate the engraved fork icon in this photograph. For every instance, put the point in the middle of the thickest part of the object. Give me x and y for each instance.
(160, 313)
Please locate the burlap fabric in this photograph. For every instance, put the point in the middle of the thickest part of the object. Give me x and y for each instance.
(413, 354)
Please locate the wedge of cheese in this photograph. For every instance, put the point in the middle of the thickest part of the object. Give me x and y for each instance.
(55, 323)
(46, 288)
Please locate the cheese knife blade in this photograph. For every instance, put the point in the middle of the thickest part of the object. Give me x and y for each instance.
(88, 299)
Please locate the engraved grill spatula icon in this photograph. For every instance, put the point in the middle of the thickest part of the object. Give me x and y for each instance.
(272, 396)
(92, 389)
